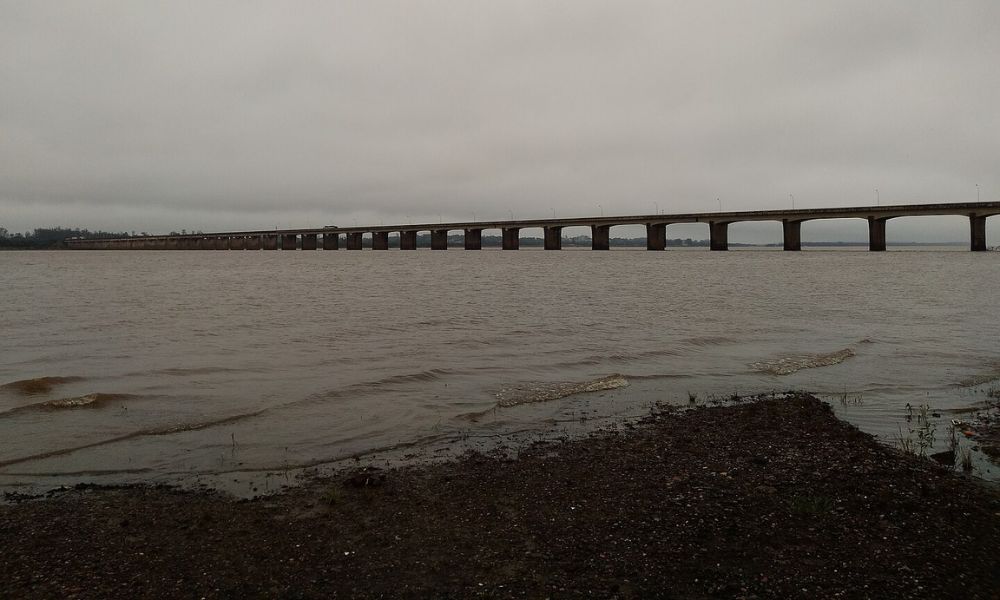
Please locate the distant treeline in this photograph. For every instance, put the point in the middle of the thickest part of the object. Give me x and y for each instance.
(53, 237)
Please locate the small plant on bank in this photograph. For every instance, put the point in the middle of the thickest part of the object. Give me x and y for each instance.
(965, 459)
(811, 505)
(847, 399)
(330, 497)
(920, 431)
(692, 398)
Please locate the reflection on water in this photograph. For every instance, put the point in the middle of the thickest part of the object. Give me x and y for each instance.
(163, 366)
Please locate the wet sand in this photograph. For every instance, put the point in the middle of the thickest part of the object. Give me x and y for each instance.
(775, 498)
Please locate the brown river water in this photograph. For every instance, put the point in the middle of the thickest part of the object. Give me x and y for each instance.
(228, 369)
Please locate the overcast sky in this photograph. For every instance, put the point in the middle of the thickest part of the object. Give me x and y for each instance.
(153, 116)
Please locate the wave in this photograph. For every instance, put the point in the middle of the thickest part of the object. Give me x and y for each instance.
(153, 431)
(96, 400)
(790, 364)
(428, 375)
(38, 385)
(659, 376)
(526, 393)
(190, 371)
(709, 340)
(988, 376)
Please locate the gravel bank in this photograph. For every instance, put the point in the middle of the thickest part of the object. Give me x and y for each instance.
(775, 498)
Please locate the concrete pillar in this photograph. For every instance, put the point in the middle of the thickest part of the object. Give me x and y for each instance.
(473, 239)
(289, 241)
(553, 238)
(271, 241)
(600, 237)
(511, 241)
(331, 241)
(792, 234)
(439, 239)
(876, 234)
(253, 242)
(238, 243)
(308, 241)
(719, 232)
(978, 225)
(656, 236)
(407, 240)
(222, 243)
(380, 240)
(354, 241)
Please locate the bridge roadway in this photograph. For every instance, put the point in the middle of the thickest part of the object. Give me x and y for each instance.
(656, 226)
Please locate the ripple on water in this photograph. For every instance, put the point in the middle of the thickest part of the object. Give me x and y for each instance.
(37, 386)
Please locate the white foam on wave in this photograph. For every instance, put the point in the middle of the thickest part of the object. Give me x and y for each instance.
(525, 393)
(790, 364)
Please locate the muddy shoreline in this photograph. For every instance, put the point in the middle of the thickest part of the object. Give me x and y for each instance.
(775, 498)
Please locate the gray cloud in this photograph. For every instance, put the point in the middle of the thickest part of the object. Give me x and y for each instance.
(232, 114)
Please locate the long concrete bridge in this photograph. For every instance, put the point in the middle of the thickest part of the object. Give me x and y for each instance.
(332, 238)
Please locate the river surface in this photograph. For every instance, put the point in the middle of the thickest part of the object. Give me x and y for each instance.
(224, 367)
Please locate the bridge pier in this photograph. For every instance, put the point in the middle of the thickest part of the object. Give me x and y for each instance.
(309, 241)
(289, 241)
(978, 226)
(238, 243)
(270, 242)
(354, 241)
(380, 240)
(253, 242)
(656, 236)
(222, 243)
(553, 238)
(473, 239)
(407, 240)
(331, 241)
(719, 234)
(511, 241)
(792, 234)
(439, 239)
(600, 237)
(876, 234)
